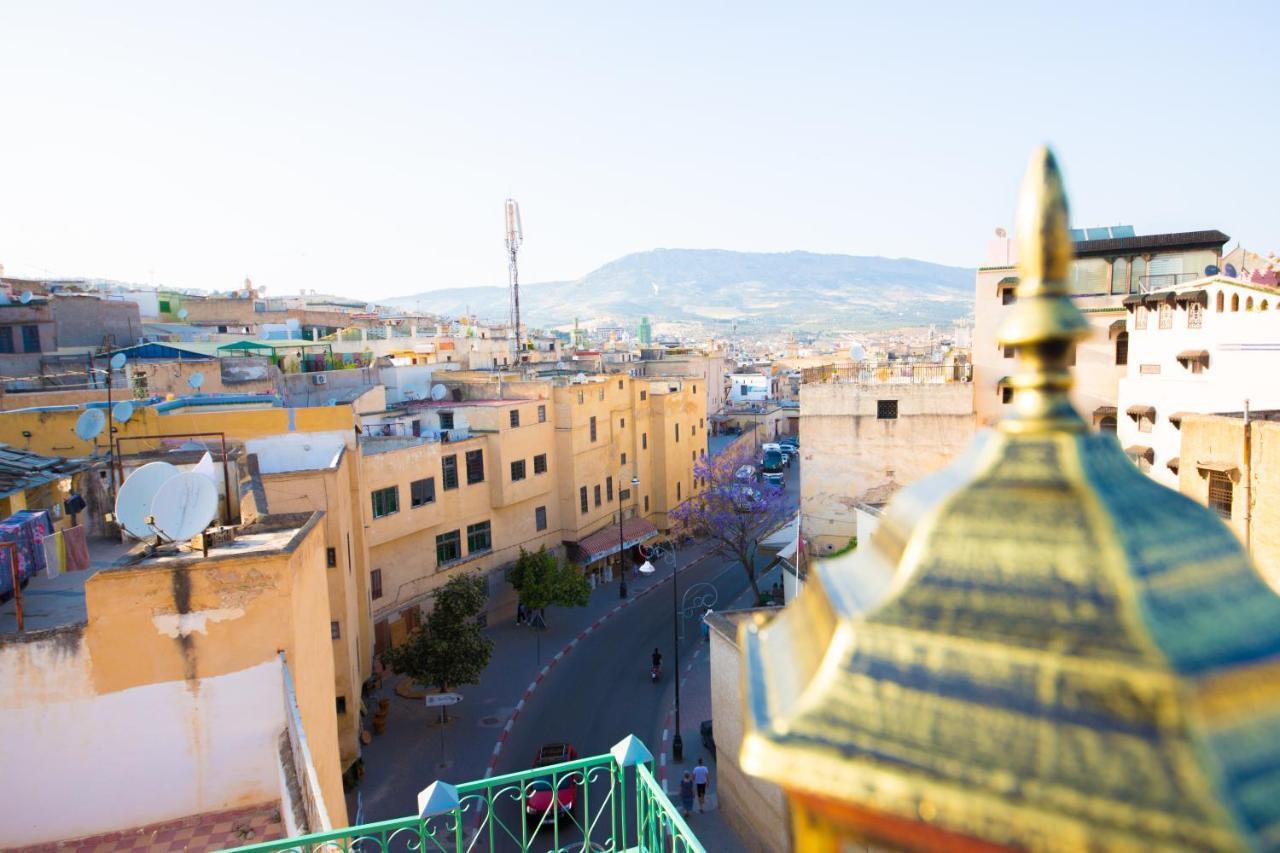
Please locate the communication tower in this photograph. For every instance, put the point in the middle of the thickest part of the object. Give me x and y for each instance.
(515, 236)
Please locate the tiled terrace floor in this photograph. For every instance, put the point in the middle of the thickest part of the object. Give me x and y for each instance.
(212, 831)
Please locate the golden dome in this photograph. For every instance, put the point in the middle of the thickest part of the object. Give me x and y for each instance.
(1070, 656)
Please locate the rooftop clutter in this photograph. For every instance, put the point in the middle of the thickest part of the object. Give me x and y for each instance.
(1071, 656)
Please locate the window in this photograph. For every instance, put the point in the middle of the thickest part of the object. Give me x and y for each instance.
(446, 420)
(601, 395)
(479, 537)
(622, 423)
(1138, 271)
(1219, 302)
(386, 501)
(475, 466)
(540, 463)
(695, 389)
(1263, 306)
(582, 498)
(517, 470)
(693, 454)
(6, 338)
(580, 398)
(515, 417)
(677, 491)
(1006, 394)
(1008, 296)
(342, 704)
(164, 306)
(619, 384)
(608, 489)
(335, 631)
(449, 471)
(1235, 303)
(1107, 424)
(375, 583)
(644, 441)
(597, 491)
(677, 433)
(1248, 304)
(422, 492)
(331, 557)
(1008, 352)
(1220, 489)
(542, 414)
(448, 547)
(1166, 315)
(1120, 275)
(540, 517)
(886, 410)
(1122, 348)
(646, 503)
(1140, 317)
(624, 459)
(644, 395)
(31, 339)
(700, 422)
(592, 427)
(624, 495)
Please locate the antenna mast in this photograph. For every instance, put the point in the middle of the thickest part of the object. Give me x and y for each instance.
(515, 236)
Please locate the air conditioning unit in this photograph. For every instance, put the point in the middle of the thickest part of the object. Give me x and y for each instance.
(319, 379)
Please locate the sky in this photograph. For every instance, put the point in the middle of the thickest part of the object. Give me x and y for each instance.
(366, 149)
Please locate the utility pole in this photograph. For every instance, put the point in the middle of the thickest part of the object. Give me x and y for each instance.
(515, 237)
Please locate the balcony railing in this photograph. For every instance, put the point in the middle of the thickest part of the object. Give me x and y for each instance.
(1151, 283)
(617, 805)
(871, 373)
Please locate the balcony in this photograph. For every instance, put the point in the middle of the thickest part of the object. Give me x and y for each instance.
(873, 373)
(618, 806)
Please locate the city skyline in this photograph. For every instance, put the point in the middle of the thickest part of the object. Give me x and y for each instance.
(151, 145)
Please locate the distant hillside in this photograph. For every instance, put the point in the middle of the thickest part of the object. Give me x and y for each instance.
(794, 289)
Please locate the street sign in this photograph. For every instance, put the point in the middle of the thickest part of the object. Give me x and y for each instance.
(435, 700)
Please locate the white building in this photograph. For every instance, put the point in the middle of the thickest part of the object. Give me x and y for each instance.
(1202, 348)
(748, 387)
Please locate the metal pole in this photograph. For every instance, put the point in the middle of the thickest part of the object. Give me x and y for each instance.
(622, 568)
(677, 742)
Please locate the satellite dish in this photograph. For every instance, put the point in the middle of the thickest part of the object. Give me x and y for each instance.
(206, 467)
(439, 392)
(118, 360)
(1231, 272)
(559, 365)
(332, 401)
(196, 380)
(90, 424)
(182, 313)
(1001, 233)
(1211, 270)
(122, 411)
(183, 506)
(581, 377)
(136, 495)
(25, 298)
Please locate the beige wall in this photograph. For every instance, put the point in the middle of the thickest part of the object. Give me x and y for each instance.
(1255, 477)
(755, 809)
(848, 450)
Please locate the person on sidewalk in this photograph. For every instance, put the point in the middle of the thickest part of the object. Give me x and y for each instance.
(520, 614)
(700, 776)
(686, 794)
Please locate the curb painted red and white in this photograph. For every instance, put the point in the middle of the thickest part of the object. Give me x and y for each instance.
(559, 656)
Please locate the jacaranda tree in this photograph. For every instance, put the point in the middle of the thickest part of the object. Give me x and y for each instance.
(732, 511)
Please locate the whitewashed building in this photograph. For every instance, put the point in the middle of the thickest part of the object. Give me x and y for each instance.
(1204, 347)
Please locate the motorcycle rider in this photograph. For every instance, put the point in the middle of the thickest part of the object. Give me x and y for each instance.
(656, 657)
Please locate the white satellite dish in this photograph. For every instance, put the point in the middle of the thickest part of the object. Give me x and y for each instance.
(25, 298)
(332, 401)
(90, 424)
(581, 377)
(439, 392)
(183, 506)
(136, 495)
(182, 313)
(196, 380)
(122, 411)
(118, 361)
(206, 467)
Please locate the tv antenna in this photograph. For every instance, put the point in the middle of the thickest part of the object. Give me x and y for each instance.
(515, 237)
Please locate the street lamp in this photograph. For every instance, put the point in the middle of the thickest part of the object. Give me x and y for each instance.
(677, 742)
(622, 539)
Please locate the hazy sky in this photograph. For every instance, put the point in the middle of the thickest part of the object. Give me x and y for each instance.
(366, 148)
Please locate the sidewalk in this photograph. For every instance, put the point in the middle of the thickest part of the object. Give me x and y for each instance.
(414, 751)
(695, 706)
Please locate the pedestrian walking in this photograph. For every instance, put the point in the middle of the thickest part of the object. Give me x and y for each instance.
(700, 776)
(686, 794)
(520, 614)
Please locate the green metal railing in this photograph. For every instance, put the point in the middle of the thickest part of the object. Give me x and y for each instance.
(495, 814)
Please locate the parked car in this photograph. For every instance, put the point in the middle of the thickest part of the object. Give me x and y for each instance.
(746, 472)
(538, 802)
(792, 440)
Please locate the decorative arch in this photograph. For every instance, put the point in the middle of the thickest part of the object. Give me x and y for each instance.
(1235, 302)
(1221, 302)
(1248, 304)
(1263, 306)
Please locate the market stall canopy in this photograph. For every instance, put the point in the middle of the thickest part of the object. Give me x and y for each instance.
(605, 543)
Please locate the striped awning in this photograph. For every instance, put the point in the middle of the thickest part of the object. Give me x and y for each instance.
(1105, 412)
(1176, 418)
(1220, 467)
(1139, 451)
(1173, 464)
(1115, 328)
(607, 542)
(1141, 412)
(1130, 301)
(1199, 295)
(1193, 355)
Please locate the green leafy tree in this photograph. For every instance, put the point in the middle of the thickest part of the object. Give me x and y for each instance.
(541, 581)
(449, 648)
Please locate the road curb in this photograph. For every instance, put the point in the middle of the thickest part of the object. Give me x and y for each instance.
(533, 686)
(669, 721)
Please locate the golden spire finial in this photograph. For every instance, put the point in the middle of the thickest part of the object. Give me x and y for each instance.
(1044, 325)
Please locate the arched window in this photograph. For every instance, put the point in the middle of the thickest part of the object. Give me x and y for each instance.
(1107, 424)
(1195, 315)
(1263, 306)
(1220, 302)
(1248, 304)
(1235, 302)
(1122, 348)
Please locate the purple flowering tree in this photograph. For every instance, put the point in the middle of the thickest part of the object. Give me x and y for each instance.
(732, 509)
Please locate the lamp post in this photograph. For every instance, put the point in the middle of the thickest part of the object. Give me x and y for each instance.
(677, 742)
(622, 539)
